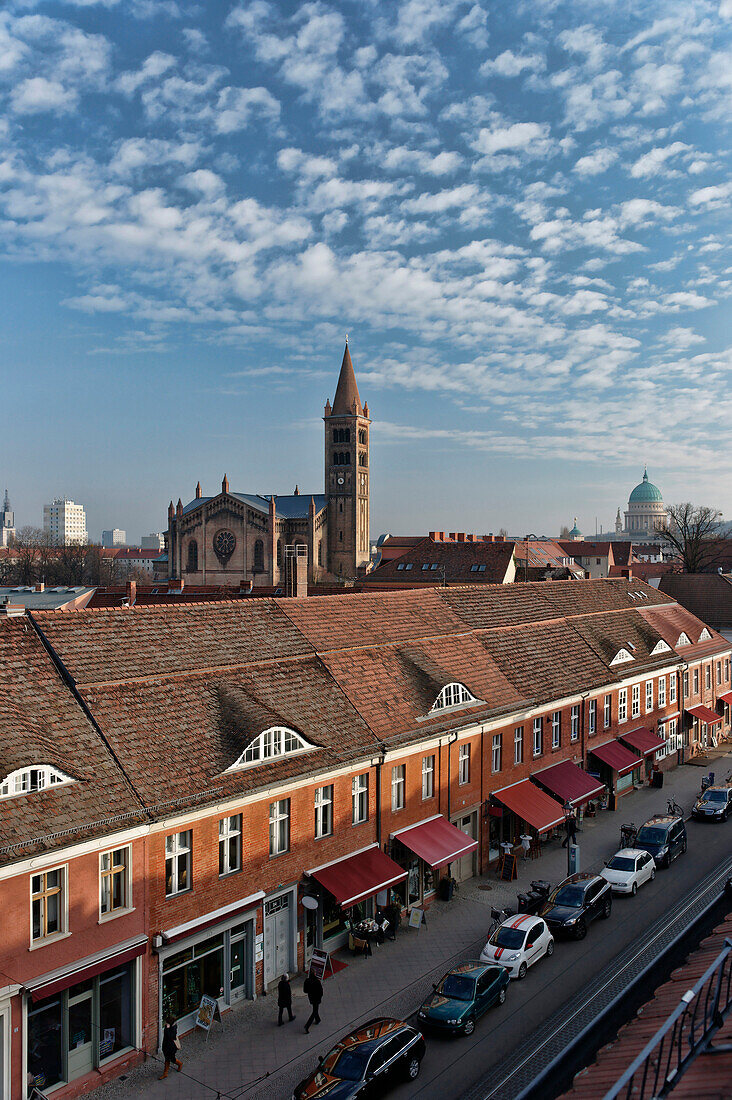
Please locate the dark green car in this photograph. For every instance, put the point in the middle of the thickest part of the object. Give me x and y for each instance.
(464, 994)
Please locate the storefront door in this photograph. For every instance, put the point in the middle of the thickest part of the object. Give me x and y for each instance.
(311, 932)
(276, 938)
(80, 1035)
(464, 867)
(239, 963)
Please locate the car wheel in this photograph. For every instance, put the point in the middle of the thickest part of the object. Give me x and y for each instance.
(607, 909)
(502, 996)
(653, 873)
(549, 949)
(634, 889)
(522, 971)
(413, 1067)
(580, 931)
(469, 1026)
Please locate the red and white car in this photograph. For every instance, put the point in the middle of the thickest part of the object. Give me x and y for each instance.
(518, 943)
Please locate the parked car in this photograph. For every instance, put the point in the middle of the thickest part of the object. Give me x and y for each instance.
(714, 804)
(628, 869)
(518, 943)
(366, 1062)
(462, 996)
(664, 836)
(578, 900)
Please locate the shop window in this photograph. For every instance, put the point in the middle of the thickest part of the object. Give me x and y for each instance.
(279, 827)
(229, 844)
(428, 777)
(189, 974)
(48, 903)
(27, 780)
(360, 795)
(115, 1012)
(45, 1043)
(114, 875)
(323, 811)
(398, 776)
(464, 765)
(178, 863)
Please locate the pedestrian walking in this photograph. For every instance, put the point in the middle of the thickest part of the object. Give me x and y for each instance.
(313, 988)
(284, 999)
(170, 1047)
(571, 826)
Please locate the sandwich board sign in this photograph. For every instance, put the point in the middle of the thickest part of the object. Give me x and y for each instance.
(208, 1011)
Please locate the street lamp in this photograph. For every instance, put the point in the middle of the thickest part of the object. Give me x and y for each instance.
(568, 812)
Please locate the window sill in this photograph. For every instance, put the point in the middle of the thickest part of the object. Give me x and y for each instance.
(325, 836)
(228, 874)
(104, 1062)
(178, 894)
(105, 917)
(355, 824)
(37, 944)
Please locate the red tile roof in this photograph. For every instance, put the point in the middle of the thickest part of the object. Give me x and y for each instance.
(456, 558)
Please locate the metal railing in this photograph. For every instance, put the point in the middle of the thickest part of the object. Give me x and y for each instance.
(687, 1033)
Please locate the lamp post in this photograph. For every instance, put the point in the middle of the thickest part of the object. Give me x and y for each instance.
(568, 811)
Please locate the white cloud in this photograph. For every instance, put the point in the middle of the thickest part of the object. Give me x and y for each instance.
(654, 161)
(596, 162)
(528, 138)
(642, 211)
(37, 94)
(152, 67)
(236, 107)
(399, 159)
(717, 195)
(509, 63)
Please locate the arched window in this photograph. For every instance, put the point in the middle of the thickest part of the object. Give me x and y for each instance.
(336, 458)
(192, 566)
(279, 551)
(347, 435)
(362, 436)
(347, 458)
(36, 778)
(453, 695)
(335, 436)
(258, 556)
(274, 742)
(362, 459)
(320, 552)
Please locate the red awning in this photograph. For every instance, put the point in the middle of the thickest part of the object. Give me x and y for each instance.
(84, 973)
(531, 804)
(704, 714)
(436, 841)
(569, 782)
(643, 741)
(360, 876)
(617, 757)
(726, 698)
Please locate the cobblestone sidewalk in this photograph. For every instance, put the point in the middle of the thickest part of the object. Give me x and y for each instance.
(249, 1056)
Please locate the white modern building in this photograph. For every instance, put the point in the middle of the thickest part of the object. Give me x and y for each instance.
(65, 521)
(153, 541)
(115, 537)
(7, 522)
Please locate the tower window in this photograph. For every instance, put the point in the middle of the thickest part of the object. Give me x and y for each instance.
(192, 566)
(363, 459)
(279, 551)
(340, 536)
(258, 556)
(347, 458)
(362, 437)
(347, 435)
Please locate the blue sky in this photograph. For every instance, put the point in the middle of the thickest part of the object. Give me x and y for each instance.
(518, 211)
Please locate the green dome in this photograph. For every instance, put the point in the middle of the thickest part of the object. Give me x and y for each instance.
(575, 530)
(646, 492)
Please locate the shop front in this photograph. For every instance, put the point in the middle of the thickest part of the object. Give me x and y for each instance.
(620, 768)
(571, 784)
(213, 955)
(80, 1021)
(347, 891)
(423, 848)
(527, 807)
(705, 727)
(726, 701)
(646, 744)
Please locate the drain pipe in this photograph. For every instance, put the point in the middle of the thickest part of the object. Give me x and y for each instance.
(450, 742)
(379, 766)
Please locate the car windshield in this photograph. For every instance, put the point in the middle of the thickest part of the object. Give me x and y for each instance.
(714, 796)
(348, 1064)
(650, 834)
(507, 937)
(573, 896)
(457, 986)
(621, 863)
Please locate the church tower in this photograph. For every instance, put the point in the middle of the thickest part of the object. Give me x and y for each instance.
(347, 426)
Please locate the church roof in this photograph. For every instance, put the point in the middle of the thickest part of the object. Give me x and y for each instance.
(346, 390)
(646, 492)
(296, 506)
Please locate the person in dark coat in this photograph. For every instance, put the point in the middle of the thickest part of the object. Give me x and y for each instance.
(170, 1050)
(313, 988)
(571, 826)
(284, 999)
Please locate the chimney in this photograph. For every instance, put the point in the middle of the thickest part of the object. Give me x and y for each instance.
(453, 536)
(40, 587)
(500, 538)
(461, 536)
(470, 538)
(296, 571)
(11, 610)
(131, 593)
(433, 535)
(175, 587)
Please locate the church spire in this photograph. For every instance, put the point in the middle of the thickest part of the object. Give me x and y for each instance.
(346, 394)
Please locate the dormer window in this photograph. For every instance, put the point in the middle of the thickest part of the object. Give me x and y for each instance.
(705, 636)
(684, 639)
(660, 647)
(272, 744)
(621, 657)
(453, 695)
(36, 778)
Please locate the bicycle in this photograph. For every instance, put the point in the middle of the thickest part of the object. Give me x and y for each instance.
(497, 918)
(674, 808)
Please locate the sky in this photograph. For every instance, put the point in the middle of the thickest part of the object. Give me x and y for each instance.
(519, 212)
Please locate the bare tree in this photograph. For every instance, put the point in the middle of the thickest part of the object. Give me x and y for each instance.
(32, 553)
(503, 532)
(697, 535)
(564, 532)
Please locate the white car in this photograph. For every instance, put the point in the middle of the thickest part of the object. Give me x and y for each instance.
(628, 869)
(518, 943)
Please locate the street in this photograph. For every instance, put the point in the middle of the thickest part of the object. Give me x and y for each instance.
(452, 1066)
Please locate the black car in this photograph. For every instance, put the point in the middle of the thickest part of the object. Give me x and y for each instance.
(664, 836)
(714, 804)
(576, 902)
(366, 1063)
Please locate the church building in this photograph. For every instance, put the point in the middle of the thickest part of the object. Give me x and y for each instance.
(646, 513)
(240, 538)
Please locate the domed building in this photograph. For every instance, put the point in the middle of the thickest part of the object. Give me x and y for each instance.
(646, 511)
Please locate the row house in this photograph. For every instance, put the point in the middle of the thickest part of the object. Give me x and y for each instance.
(193, 798)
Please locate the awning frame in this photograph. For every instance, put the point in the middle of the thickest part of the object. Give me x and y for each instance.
(598, 790)
(627, 768)
(532, 786)
(468, 845)
(59, 980)
(363, 895)
(715, 720)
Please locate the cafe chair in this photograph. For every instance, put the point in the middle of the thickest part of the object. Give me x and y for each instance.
(359, 946)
